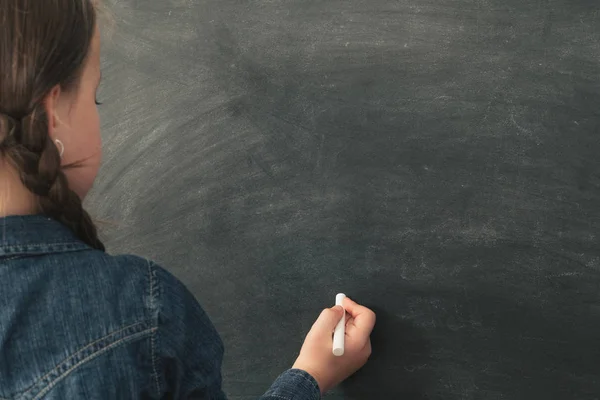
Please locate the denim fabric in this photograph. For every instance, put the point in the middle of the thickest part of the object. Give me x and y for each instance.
(77, 323)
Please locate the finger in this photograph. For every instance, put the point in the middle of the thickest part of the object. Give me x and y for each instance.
(355, 333)
(327, 321)
(351, 329)
(356, 339)
(353, 307)
(349, 320)
(363, 318)
(368, 349)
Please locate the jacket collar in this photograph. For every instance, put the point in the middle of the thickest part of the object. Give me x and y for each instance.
(36, 235)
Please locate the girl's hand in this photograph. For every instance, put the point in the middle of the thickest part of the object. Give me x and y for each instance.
(316, 355)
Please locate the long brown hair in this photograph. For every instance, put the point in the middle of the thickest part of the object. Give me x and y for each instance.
(43, 43)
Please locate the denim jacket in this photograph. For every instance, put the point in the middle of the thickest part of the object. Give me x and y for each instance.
(77, 323)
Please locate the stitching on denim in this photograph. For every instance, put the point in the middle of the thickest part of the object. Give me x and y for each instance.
(74, 355)
(35, 246)
(85, 350)
(153, 337)
(89, 358)
(300, 373)
(20, 255)
(306, 377)
(30, 249)
(9, 258)
(313, 382)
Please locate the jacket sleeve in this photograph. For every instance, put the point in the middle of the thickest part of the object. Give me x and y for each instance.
(293, 384)
(189, 351)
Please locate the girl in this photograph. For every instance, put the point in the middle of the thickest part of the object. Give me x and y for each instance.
(75, 322)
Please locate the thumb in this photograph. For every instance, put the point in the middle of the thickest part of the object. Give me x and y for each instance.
(328, 319)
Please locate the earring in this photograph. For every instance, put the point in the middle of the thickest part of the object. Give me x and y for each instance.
(61, 147)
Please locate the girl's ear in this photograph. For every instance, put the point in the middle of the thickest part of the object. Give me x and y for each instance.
(51, 107)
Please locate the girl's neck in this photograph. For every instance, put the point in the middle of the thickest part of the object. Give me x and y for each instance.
(15, 199)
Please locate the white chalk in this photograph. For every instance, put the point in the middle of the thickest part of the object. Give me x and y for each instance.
(340, 330)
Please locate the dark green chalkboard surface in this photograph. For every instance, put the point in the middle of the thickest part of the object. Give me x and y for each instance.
(437, 160)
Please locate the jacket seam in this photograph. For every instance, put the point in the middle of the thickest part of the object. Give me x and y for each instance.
(41, 245)
(89, 358)
(152, 281)
(9, 252)
(19, 255)
(82, 356)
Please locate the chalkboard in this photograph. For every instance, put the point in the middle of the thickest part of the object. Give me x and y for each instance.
(436, 160)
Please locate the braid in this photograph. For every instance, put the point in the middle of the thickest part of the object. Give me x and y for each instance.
(29, 148)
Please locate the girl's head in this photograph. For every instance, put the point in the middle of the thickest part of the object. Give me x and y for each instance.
(49, 124)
